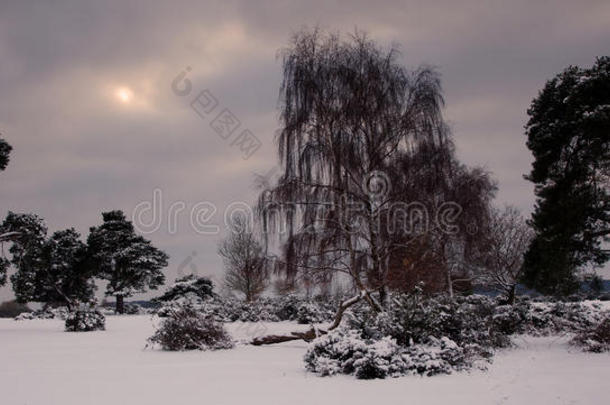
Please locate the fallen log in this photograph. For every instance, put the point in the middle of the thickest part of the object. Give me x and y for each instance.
(272, 339)
(313, 332)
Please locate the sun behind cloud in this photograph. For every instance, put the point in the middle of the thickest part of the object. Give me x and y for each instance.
(124, 94)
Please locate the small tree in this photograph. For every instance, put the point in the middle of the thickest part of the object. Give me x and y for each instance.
(507, 241)
(129, 262)
(244, 260)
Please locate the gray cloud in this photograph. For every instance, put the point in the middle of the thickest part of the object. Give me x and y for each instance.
(79, 151)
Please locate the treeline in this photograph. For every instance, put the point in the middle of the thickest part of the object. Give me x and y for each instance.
(60, 269)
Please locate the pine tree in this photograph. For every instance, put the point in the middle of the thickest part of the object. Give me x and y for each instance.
(60, 276)
(51, 270)
(5, 150)
(26, 234)
(569, 135)
(4, 265)
(127, 261)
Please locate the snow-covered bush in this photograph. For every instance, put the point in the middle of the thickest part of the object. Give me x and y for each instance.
(511, 319)
(308, 313)
(595, 339)
(191, 288)
(346, 351)
(25, 316)
(420, 335)
(132, 308)
(284, 308)
(85, 321)
(50, 313)
(187, 328)
(560, 317)
(415, 319)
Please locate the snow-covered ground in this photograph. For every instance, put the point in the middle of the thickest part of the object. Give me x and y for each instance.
(41, 364)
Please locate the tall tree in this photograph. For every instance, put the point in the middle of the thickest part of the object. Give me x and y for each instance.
(443, 207)
(26, 234)
(244, 260)
(569, 135)
(60, 276)
(5, 151)
(51, 271)
(127, 261)
(4, 266)
(348, 111)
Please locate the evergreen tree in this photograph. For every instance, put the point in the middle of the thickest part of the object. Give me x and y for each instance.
(569, 135)
(4, 265)
(60, 276)
(129, 262)
(27, 235)
(5, 151)
(51, 270)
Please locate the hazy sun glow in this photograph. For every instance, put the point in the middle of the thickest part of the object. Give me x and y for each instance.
(124, 94)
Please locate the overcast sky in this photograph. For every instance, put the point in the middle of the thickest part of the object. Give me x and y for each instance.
(86, 99)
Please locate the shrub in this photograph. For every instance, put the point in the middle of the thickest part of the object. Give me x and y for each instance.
(435, 335)
(560, 317)
(345, 351)
(190, 287)
(186, 328)
(85, 321)
(595, 339)
(49, 313)
(416, 335)
(131, 308)
(511, 319)
(11, 309)
(309, 312)
(415, 319)
(284, 308)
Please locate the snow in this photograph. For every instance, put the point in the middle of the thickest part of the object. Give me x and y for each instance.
(41, 364)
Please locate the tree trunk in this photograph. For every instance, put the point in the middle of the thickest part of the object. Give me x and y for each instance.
(511, 295)
(312, 333)
(272, 339)
(383, 297)
(120, 305)
(342, 308)
(449, 283)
